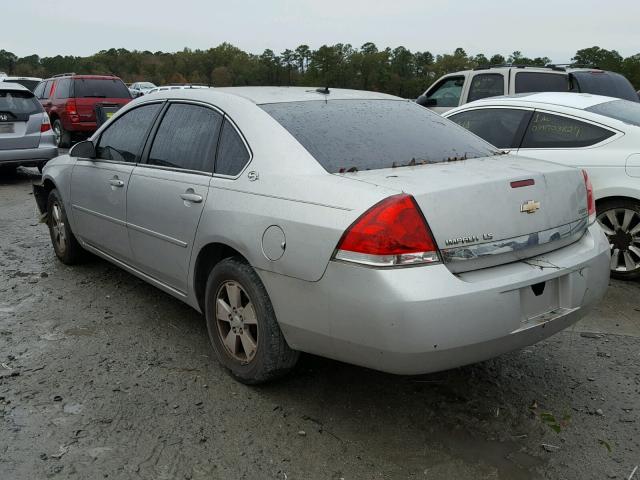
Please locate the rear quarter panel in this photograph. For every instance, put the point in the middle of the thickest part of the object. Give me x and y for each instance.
(313, 218)
(604, 163)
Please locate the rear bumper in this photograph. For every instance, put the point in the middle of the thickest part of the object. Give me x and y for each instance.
(80, 127)
(28, 156)
(425, 319)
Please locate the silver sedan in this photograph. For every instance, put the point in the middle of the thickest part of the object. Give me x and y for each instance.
(352, 225)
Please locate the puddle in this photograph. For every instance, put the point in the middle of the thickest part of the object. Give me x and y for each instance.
(506, 457)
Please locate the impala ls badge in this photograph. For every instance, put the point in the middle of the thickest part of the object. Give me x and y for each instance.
(530, 206)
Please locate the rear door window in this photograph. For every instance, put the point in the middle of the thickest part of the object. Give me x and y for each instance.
(100, 88)
(557, 131)
(19, 103)
(187, 138)
(501, 127)
(232, 152)
(348, 135)
(486, 85)
(63, 88)
(527, 82)
(123, 140)
(47, 89)
(447, 93)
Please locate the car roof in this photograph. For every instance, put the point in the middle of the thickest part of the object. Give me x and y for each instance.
(263, 95)
(9, 79)
(580, 101)
(5, 86)
(86, 77)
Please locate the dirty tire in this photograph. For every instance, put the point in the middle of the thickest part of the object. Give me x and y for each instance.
(67, 248)
(272, 358)
(64, 137)
(620, 205)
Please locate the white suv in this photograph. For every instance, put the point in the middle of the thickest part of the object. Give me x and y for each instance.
(455, 89)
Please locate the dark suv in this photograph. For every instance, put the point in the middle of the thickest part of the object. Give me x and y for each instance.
(71, 101)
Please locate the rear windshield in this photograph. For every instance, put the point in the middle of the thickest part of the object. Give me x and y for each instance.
(605, 83)
(541, 82)
(100, 88)
(19, 102)
(628, 112)
(351, 135)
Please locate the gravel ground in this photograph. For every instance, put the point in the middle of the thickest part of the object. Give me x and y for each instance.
(103, 376)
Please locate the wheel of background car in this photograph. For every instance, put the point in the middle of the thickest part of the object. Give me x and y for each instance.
(67, 248)
(242, 324)
(620, 220)
(7, 170)
(63, 138)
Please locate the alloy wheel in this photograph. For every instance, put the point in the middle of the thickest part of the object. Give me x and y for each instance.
(622, 228)
(237, 322)
(58, 227)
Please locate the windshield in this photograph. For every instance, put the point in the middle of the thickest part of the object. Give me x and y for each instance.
(628, 112)
(609, 84)
(19, 102)
(100, 88)
(145, 85)
(351, 135)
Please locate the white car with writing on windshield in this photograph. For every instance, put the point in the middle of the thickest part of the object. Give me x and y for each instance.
(596, 133)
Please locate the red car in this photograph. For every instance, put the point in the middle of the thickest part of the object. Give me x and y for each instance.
(71, 101)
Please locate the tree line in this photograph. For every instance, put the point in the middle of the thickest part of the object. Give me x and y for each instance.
(398, 71)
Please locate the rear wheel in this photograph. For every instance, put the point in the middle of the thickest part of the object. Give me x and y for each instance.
(620, 220)
(67, 248)
(242, 324)
(63, 137)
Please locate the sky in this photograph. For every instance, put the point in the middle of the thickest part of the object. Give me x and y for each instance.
(552, 28)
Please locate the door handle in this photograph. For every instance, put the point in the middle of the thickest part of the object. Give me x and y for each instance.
(189, 196)
(115, 182)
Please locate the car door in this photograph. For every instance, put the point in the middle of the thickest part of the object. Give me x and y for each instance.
(485, 85)
(99, 185)
(168, 191)
(501, 127)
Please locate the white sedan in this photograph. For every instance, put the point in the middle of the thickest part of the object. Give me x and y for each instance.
(596, 133)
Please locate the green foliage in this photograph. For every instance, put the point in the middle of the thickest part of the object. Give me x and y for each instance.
(554, 424)
(397, 71)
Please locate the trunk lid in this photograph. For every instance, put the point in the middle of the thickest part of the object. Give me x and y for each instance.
(478, 219)
(20, 119)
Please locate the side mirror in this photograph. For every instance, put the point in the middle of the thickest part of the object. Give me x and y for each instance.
(85, 149)
(426, 102)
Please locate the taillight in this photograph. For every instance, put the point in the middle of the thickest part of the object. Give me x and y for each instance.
(70, 107)
(391, 233)
(591, 203)
(45, 126)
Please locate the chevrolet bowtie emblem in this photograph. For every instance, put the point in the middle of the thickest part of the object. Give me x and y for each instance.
(530, 206)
